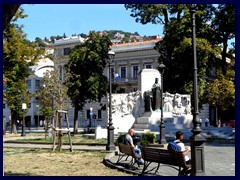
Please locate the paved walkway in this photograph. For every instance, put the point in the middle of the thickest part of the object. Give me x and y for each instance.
(219, 158)
(219, 161)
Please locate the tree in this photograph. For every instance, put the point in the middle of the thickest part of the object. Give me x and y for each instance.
(149, 13)
(18, 55)
(40, 42)
(8, 12)
(223, 26)
(84, 72)
(221, 91)
(52, 95)
(176, 47)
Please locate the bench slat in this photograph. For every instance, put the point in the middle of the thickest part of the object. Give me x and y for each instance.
(163, 156)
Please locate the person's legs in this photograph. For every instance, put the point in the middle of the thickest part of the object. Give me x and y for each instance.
(186, 170)
(138, 151)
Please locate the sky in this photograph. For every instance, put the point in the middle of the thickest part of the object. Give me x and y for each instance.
(45, 20)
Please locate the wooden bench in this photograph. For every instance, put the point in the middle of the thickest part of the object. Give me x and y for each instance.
(126, 151)
(175, 160)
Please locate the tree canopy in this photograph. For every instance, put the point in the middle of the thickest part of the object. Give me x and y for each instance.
(214, 27)
(84, 71)
(18, 56)
(52, 95)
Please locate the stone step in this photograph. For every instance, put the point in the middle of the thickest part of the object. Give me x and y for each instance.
(140, 126)
(147, 114)
(142, 120)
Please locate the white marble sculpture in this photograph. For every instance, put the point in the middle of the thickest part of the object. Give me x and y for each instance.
(168, 104)
(125, 104)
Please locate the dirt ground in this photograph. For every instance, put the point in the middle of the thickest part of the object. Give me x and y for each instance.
(39, 162)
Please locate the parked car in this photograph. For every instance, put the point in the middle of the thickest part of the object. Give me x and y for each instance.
(231, 123)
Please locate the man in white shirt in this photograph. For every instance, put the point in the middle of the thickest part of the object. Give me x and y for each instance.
(184, 149)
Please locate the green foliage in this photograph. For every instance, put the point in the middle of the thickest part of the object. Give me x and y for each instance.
(40, 42)
(221, 92)
(121, 138)
(52, 95)
(84, 70)
(18, 55)
(148, 138)
(145, 13)
(214, 25)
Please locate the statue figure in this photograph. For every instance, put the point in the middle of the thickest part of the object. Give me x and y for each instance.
(130, 102)
(188, 106)
(177, 104)
(167, 107)
(156, 93)
(124, 106)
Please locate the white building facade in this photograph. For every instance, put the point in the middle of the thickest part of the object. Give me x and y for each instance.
(43, 65)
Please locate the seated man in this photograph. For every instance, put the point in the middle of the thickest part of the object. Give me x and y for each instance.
(178, 141)
(129, 141)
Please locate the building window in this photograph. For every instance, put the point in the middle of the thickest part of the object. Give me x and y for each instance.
(99, 114)
(37, 83)
(29, 105)
(148, 66)
(4, 106)
(123, 72)
(66, 51)
(135, 71)
(122, 90)
(29, 83)
(88, 114)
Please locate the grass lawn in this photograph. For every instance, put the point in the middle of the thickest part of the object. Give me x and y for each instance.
(41, 162)
(75, 139)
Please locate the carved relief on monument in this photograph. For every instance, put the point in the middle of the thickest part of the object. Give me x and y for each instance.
(125, 104)
(174, 103)
(181, 104)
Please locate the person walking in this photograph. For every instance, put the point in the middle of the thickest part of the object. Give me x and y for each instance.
(206, 122)
(129, 142)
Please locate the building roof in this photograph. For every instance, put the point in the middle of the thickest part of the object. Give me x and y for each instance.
(150, 44)
(43, 65)
(69, 40)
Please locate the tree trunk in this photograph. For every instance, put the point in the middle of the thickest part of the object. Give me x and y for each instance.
(13, 126)
(224, 54)
(76, 109)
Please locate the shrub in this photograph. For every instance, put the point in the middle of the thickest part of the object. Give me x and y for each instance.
(121, 138)
(148, 138)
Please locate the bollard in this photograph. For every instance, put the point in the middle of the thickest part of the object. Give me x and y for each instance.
(50, 132)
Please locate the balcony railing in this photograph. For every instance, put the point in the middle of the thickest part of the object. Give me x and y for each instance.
(125, 80)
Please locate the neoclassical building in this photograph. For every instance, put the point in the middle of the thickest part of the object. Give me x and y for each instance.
(33, 81)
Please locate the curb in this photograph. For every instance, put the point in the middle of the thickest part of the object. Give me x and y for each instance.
(50, 143)
(107, 162)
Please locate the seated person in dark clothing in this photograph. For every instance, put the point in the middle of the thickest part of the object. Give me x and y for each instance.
(129, 141)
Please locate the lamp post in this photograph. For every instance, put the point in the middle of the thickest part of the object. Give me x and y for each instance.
(110, 128)
(37, 106)
(24, 106)
(91, 113)
(162, 139)
(196, 140)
